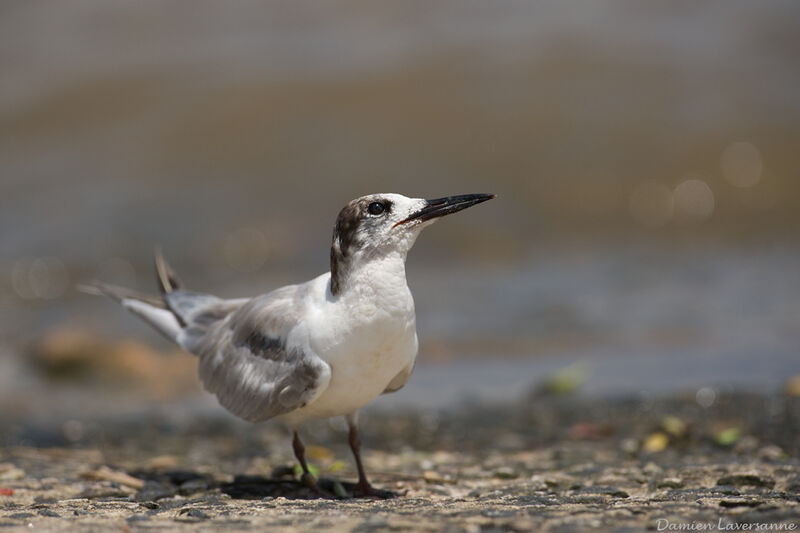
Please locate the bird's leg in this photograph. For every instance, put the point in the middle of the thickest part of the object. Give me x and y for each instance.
(300, 452)
(362, 488)
(355, 445)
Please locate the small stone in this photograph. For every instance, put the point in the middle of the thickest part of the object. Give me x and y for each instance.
(505, 472)
(162, 462)
(99, 491)
(740, 503)
(727, 490)
(670, 483)
(616, 493)
(751, 480)
(556, 482)
(538, 483)
(9, 472)
(22, 516)
(431, 476)
(771, 452)
(149, 505)
(195, 514)
(105, 473)
(50, 513)
(603, 491)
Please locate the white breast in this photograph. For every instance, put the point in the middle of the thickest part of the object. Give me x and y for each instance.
(367, 340)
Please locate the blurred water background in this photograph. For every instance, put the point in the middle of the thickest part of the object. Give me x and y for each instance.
(645, 156)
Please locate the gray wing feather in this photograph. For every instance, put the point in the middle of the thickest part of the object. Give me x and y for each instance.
(244, 357)
(194, 307)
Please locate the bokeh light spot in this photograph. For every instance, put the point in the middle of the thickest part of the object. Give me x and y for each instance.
(706, 397)
(73, 430)
(43, 277)
(741, 164)
(19, 279)
(694, 199)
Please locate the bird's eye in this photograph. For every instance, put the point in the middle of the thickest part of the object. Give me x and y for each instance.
(375, 208)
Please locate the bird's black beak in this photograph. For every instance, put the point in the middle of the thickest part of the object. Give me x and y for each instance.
(439, 207)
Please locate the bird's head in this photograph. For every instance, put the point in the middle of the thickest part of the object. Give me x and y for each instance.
(379, 224)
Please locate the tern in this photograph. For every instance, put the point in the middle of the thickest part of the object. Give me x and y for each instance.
(319, 349)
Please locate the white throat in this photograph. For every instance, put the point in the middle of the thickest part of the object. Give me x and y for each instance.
(377, 278)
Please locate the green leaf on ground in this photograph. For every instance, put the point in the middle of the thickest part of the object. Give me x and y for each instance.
(311, 468)
(728, 437)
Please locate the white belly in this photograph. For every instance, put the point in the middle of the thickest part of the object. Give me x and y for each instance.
(367, 338)
(363, 363)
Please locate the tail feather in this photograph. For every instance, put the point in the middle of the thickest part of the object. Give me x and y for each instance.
(118, 294)
(168, 280)
(151, 309)
(170, 312)
(163, 320)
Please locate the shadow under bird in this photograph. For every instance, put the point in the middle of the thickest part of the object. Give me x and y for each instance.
(323, 348)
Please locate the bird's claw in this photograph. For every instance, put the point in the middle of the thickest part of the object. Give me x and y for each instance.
(365, 490)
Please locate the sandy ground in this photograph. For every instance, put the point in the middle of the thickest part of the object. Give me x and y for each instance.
(549, 463)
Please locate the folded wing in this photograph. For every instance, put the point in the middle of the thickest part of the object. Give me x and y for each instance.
(245, 357)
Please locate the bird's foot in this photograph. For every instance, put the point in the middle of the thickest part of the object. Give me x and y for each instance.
(365, 490)
(308, 480)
